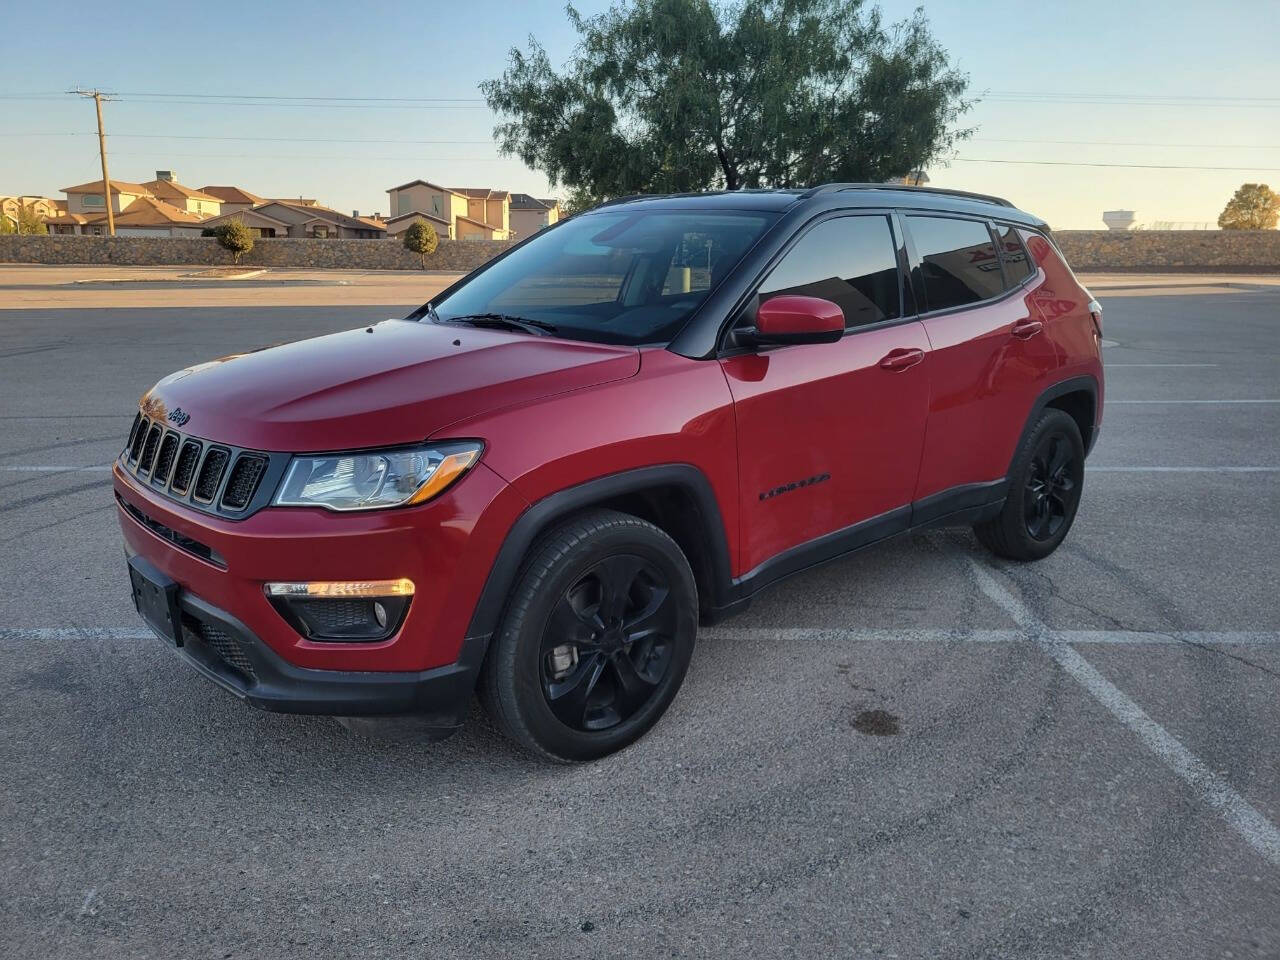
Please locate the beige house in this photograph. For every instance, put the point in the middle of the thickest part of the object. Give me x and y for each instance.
(167, 188)
(89, 198)
(42, 207)
(457, 213)
(531, 214)
(285, 218)
(233, 199)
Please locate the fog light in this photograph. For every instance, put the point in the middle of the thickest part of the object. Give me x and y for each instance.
(344, 611)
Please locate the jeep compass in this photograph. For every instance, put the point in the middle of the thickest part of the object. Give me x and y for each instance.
(538, 484)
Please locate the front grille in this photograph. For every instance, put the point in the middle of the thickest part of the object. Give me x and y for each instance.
(215, 461)
(243, 481)
(164, 461)
(216, 478)
(225, 646)
(186, 468)
(149, 449)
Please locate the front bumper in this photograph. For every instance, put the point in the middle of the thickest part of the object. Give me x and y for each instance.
(226, 652)
(235, 637)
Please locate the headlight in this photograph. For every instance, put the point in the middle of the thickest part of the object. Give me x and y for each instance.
(374, 479)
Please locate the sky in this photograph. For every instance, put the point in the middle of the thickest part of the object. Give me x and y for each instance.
(1150, 86)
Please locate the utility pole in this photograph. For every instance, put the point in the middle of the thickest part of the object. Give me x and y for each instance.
(98, 97)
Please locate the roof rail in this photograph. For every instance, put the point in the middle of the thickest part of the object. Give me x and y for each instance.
(838, 187)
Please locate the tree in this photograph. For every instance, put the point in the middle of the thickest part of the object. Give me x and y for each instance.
(421, 239)
(7, 227)
(30, 224)
(679, 95)
(235, 237)
(1255, 206)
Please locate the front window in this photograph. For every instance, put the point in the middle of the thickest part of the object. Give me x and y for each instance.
(94, 200)
(626, 277)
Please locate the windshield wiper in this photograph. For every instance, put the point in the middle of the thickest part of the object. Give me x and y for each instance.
(537, 327)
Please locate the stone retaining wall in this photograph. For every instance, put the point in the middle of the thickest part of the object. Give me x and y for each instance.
(1150, 251)
(1171, 251)
(454, 255)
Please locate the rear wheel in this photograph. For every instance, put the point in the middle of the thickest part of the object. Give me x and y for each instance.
(596, 640)
(1044, 492)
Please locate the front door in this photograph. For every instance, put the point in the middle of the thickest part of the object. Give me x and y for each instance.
(830, 435)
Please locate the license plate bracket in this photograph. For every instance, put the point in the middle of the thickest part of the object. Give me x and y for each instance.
(156, 598)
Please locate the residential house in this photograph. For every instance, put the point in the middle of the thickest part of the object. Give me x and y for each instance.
(167, 188)
(457, 213)
(233, 199)
(138, 211)
(531, 214)
(42, 207)
(288, 218)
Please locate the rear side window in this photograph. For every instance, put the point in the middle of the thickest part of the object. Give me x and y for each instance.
(957, 259)
(850, 261)
(1017, 265)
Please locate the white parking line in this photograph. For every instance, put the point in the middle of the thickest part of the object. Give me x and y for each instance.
(1093, 469)
(933, 635)
(1110, 365)
(22, 468)
(1111, 403)
(1259, 832)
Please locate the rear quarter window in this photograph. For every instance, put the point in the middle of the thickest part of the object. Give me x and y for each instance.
(1017, 265)
(957, 260)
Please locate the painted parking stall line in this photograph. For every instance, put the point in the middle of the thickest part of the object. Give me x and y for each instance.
(981, 636)
(1256, 830)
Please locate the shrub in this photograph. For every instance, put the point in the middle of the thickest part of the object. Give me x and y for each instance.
(421, 239)
(235, 237)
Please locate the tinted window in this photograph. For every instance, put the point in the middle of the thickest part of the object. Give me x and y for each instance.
(957, 259)
(1017, 265)
(850, 261)
(617, 276)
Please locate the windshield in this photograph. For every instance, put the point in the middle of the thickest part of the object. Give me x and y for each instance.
(625, 277)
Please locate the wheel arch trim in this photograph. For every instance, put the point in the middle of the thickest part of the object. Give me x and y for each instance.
(1084, 384)
(541, 515)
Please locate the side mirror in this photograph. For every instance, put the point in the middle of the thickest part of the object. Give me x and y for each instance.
(795, 319)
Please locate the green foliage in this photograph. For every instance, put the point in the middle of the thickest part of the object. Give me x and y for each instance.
(30, 225)
(679, 95)
(580, 199)
(421, 239)
(1255, 206)
(7, 229)
(209, 232)
(235, 237)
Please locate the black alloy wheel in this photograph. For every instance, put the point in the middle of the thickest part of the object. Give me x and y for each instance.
(608, 643)
(1048, 496)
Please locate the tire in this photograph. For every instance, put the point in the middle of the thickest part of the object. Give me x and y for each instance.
(581, 666)
(1044, 492)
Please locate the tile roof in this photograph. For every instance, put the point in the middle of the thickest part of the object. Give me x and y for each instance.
(415, 215)
(171, 189)
(232, 194)
(95, 186)
(481, 193)
(424, 183)
(150, 212)
(523, 201)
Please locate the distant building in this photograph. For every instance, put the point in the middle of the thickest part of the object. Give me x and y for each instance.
(309, 220)
(138, 211)
(233, 199)
(167, 188)
(1119, 219)
(917, 178)
(43, 207)
(530, 214)
(457, 213)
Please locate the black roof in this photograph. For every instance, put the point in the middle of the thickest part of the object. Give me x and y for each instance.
(836, 195)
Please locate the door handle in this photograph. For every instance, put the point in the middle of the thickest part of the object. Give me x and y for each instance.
(1026, 329)
(901, 358)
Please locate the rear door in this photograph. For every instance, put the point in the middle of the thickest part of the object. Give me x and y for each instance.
(829, 435)
(988, 348)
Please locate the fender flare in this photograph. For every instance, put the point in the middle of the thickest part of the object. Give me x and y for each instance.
(539, 517)
(1072, 385)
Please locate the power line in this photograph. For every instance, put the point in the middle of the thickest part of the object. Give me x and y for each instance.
(1135, 96)
(175, 136)
(1128, 143)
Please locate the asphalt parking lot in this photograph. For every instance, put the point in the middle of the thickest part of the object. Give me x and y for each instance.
(916, 752)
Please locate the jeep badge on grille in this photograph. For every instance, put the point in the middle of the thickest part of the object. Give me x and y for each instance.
(179, 417)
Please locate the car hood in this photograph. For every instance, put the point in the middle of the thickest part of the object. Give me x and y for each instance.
(396, 382)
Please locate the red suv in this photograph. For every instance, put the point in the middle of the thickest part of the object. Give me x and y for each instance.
(540, 482)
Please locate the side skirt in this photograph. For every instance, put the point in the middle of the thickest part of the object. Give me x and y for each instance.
(960, 506)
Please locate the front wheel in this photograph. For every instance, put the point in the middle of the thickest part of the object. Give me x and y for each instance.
(597, 636)
(1044, 492)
